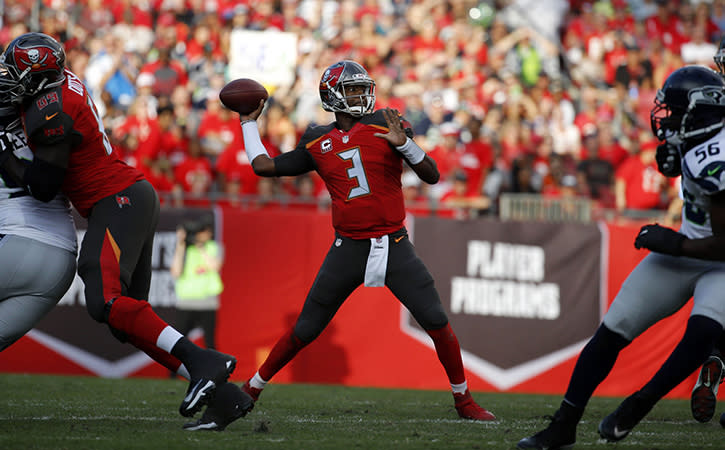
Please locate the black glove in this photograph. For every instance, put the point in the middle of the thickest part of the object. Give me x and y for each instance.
(5, 155)
(660, 239)
(668, 160)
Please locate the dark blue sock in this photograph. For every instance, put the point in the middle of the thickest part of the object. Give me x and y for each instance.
(594, 364)
(694, 347)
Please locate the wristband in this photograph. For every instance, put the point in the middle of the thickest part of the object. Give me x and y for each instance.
(252, 142)
(412, 152)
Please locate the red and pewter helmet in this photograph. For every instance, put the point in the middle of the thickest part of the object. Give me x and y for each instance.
(334, 83)
(31, 63)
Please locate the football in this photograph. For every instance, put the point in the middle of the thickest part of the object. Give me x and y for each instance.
(242, 95)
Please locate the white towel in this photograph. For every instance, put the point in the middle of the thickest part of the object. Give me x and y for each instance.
(377, 264)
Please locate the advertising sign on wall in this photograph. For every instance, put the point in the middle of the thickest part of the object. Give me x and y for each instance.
(503, 283)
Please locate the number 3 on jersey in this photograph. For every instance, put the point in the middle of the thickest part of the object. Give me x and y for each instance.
(356, 172)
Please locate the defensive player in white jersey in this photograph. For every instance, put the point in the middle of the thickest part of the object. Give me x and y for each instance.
(688, 115)
(703, 399)
(37, 244)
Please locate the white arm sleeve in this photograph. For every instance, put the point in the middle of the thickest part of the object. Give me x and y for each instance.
(252, 142)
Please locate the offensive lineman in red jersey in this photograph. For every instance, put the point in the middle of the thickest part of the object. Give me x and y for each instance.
(72, 154)
(360, 159)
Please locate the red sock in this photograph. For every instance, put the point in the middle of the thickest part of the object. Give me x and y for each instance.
(449, 353)
(155, 353)
(136, 319)
(283, 351)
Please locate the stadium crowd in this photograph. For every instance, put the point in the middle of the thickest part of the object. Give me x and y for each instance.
(549, 97)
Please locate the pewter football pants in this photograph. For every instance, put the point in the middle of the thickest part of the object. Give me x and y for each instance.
(33, 278)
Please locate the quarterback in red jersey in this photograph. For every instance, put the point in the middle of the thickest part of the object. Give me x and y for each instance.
(72, 155)
(360, 158)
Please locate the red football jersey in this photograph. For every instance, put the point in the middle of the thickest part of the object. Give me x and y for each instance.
(94, 170)
(362, 173)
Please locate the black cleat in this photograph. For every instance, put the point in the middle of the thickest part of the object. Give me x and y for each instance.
(560, 434)
(211, 369)
(229, 404)
(704, 394)
(629, 413)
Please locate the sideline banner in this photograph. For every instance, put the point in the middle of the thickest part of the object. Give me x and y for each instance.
(540, 279)
(522, 298)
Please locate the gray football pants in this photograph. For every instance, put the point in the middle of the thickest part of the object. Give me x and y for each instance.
(33, 278)
(660, 285)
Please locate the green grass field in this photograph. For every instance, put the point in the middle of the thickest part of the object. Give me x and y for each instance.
(52, 412)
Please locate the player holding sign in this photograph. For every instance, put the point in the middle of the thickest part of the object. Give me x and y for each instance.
(72, 155)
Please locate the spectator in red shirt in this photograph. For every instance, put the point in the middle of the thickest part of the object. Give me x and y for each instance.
(427, 44)
(234, 166)
(168, 73)
(459, 203)
(145, 129)
(609, 146)
(665, 26)
(477, 156)
(158, 175)
(202, 41)
(173, 142)
(233, 163)
(139, 12)
(586, 118)
(219, 129)
(195, 175)
(95, 15)
(305, 195)
(614, 58)
(639, 185)
(446, 154)
(416, 203)
(231, 193)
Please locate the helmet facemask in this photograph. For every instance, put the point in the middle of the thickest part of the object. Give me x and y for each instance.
(689, 108)
(356, 105)
(719, 57)
(662, 120)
